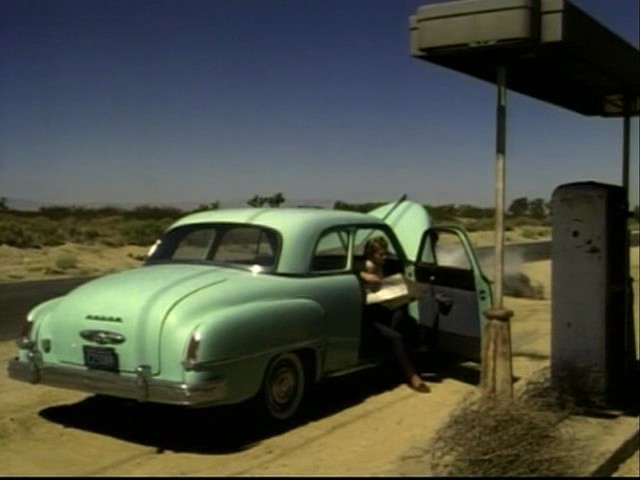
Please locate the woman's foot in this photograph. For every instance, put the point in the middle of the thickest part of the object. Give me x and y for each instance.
(416, 383)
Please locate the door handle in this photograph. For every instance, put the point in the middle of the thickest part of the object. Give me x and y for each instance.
(444, 303)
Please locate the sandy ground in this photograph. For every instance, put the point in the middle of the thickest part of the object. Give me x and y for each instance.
(365, 424)
(69, 260)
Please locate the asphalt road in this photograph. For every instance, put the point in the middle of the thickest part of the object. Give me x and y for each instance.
(16, 299)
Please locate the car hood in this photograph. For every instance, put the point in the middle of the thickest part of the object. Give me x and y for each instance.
(409, 220)
(125, 312)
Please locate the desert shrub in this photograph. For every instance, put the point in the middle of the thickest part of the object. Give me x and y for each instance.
(87, 235)
(522, 221)
(480, 225)
(31, 233)
(65, 261)
(142, 232)
(519, 437)
(146, 212)
(15, 235)
(519, 285)
(535, 232)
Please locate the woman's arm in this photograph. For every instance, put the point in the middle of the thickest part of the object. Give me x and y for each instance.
(370, 277)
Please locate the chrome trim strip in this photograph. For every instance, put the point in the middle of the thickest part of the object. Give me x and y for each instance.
(102, 337)
(118, 385)
(200, 366)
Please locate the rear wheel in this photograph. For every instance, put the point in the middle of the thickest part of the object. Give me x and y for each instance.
(284, 386)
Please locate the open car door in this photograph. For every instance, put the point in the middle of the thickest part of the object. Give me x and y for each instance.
(457, 292)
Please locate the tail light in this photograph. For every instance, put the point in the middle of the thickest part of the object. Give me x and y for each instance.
(192, 350)
(24, 340)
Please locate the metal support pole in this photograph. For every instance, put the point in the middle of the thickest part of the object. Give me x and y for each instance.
(625, 148)
(496, 369)
(501, 143)
(629, 326)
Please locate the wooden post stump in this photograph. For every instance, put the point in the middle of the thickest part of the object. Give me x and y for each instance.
(496, 379)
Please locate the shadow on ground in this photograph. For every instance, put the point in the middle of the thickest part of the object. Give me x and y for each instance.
(222, 429)
(227, 429)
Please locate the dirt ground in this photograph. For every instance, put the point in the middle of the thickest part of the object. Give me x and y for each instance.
(360, 425)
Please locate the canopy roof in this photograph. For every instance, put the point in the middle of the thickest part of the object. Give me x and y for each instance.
(553, 51)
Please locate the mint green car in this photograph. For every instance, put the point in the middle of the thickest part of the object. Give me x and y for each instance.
(247, 303)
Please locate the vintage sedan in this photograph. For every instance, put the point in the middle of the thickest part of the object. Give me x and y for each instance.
(245, 303)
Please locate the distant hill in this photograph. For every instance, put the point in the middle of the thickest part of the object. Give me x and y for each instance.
(21, 204)
(34, 205)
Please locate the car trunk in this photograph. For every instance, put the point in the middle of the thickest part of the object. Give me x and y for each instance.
(114, 322)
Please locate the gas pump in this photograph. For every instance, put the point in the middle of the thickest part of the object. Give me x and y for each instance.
(591, 324)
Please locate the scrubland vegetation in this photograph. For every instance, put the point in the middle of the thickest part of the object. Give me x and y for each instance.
(75, 240)
(115, 227)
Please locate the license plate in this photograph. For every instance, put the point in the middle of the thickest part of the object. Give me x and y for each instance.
(100, 358)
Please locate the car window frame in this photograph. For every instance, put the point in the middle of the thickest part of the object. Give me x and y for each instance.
(222, 228)
(347, 268)
(352, 229)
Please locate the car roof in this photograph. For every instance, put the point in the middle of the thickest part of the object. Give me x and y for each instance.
(299, 227)
(281, 219)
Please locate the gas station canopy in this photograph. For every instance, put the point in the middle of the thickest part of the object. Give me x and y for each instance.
(552, 51)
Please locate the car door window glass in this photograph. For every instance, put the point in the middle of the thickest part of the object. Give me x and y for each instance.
(392, 264)
(331, 252)
(447, 251)
(365, 234)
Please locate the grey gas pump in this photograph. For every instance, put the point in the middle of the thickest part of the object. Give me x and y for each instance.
(590, 329)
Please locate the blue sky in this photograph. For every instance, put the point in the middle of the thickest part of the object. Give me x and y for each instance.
(164, 102)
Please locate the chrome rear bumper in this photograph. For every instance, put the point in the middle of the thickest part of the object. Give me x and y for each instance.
(135, 386)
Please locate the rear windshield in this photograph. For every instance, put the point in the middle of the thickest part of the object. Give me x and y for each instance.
(250, 246)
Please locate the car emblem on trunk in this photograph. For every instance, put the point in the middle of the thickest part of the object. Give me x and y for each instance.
(102, 337)
(104, 318)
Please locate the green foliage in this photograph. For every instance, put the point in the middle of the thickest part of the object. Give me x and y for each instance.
(443, 213)
(147, 212)
(141, 232)
(537, 208)
(469, 211)
(519, 207)
(453, 212)
(273, 201)
(357, 207)
(511, 223)
(481, 225)
(207, 206)
(113, 226)
(32, 233)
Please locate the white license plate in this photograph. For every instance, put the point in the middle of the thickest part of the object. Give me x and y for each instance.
(100, 358)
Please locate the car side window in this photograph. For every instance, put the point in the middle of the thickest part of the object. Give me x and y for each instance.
(363, 235)
(393, 263)
(446, 250)
(331, 253)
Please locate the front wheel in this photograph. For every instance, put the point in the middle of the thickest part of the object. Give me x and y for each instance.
(284, 386)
